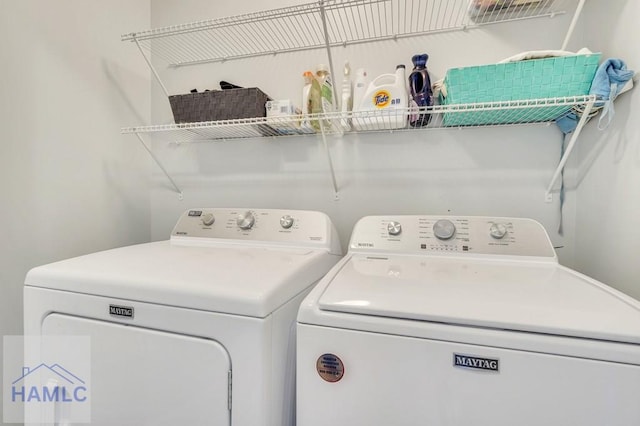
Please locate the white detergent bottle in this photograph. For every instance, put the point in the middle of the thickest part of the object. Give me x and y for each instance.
(386, 102)
(359, 88)
(346, 100)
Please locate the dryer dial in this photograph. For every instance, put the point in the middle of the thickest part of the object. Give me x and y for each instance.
(246, 220)
(208, 219)
(286, 221)
(394, 228)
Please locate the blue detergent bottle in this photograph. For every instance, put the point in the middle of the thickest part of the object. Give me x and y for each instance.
(420, 88)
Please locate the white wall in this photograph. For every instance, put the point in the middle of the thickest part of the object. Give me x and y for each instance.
(500, 172)
(608, 178)
(71, 184)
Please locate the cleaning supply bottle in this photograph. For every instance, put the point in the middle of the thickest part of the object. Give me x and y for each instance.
(388, 99)
(360, 88)
(326, 85)
(346, 100)
(306, 100)
(315, 101)
(421, 93)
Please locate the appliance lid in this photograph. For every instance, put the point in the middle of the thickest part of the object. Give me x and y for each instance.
(234, 279)
(539, 297)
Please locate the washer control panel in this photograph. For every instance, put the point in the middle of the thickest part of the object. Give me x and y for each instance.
(282, 226)
(452, 234)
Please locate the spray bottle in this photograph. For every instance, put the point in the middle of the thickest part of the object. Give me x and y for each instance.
(306, 101)
(314, 103)
(326, 86)
(360, 88)
(346, 100)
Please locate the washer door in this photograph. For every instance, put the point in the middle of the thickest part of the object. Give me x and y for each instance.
(147, 377)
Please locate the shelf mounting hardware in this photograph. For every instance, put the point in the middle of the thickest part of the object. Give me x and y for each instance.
(151, 67)
(572, 142)
(323, 133)
(178, 190)
(573, 24)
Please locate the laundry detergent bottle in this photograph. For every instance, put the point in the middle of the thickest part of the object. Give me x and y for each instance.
(421, 93)
(385, 102)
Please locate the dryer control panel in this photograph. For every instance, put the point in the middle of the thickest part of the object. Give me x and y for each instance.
(274, 227)
(452, 235)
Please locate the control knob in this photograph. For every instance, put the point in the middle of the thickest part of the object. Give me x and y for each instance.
(246, 220)
(208, 219)
(444, 229)
(394, 228)
(286, 221)
(498, 231)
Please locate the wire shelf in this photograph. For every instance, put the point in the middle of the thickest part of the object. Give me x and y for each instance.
(439, 116)
(348, 22)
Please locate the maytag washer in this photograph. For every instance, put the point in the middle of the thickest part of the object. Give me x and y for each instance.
(455, 321)
(197, 330)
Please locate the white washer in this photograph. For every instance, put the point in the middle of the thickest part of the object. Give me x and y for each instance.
(464, 321)
(197, 330)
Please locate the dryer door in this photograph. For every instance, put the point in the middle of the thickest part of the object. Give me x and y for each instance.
(147, 377)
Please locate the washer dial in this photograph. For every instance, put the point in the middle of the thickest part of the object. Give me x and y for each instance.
(444, 229)
(286, 221)
(498, 231)
(394, 228)
(246, 220)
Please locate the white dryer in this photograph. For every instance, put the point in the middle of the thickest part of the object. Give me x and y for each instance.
(197, 330)
(464, 321)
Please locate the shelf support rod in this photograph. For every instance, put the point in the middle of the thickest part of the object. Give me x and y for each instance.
(327, 44)
(574, 137)
(334, 101)
(329, 160)
(153, 70)
(573, 24)
(178, 190)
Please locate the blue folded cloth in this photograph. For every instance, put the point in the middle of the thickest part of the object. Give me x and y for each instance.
(608, 81)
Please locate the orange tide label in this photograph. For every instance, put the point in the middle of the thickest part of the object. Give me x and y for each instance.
(381, 99)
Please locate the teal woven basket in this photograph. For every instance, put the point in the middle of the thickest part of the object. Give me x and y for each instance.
(512, 81)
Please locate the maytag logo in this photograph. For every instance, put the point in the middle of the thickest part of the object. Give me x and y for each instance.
(365, 245)
(476, 363)
(121, 311)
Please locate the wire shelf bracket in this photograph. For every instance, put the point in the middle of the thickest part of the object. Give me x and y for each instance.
(155, 159)
(588, 107)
